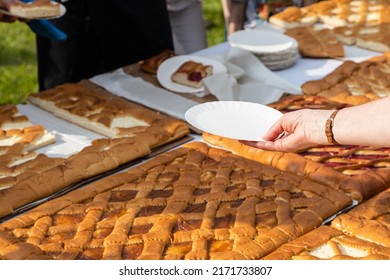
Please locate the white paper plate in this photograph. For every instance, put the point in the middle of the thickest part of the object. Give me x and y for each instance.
(62, 12)
(169, 66)
(233, 119)
(261, 41)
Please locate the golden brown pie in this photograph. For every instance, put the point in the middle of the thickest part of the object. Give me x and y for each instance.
(192, 73)
(292, 17)
(316, 42)
(367, 182)
(30, 177)
(297, 102)
(34, 137)
(96, 109)
(336, 13)
(195, 202)
(10, 117)
(354, 83)
(151, 65)
(369, 221)
(371, 37)
(326, 243)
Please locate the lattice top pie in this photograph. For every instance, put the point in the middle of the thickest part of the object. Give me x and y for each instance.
(195, 202)
(354, 83)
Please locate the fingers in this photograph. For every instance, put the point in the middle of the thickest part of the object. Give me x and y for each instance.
(7, 18)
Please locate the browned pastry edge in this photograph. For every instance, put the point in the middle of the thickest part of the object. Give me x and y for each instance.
(299, 248)
(248, 246)
(366, 185)
(306, 242)
(192, 73)
(91, 98)
(316, 43)
(101, 156)
(290, 162)
(9, 114)
(151, 64)
(370, 230)
(334, 86)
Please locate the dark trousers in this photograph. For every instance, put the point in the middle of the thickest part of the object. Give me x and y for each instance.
(103, 35)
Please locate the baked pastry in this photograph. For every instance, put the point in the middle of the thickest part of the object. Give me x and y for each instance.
(96, 109)
(316, 42)
(195, 202)
(34, 137)
(31, 181)
(298, 101)
(292, 17)
(151, 65)
(369, 221)
(360, 187)
(36, 9)
(335, 13)
(326, 243)
(371, 37)
(10, 117)
(192, 73)
(354, 83)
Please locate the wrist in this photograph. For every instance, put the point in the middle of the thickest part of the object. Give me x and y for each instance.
(329, 131)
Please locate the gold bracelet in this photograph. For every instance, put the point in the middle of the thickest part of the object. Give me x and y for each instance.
(329, 128)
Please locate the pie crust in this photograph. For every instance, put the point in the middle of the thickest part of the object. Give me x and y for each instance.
(335, 13)
(354, 83)
(369, 221)
(195, 202)
(316, 42)
(38, 177)
(94, 108)
(366, 182)
(151, 65)
(326, 243)
(191, 74)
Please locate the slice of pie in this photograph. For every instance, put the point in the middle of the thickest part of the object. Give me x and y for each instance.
(36, 9)
(316, 42)
(151, 65)
(192, 73)
(10, 117)
(33, 136)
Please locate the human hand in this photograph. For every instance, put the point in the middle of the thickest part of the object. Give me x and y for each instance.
(295, 131)
(5, 4)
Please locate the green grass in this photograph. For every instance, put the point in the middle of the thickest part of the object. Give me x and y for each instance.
(18, 64)
(18, 69)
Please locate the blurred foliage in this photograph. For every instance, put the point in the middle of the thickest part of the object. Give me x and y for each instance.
(18, 67)
(18, 64)
(213, 14)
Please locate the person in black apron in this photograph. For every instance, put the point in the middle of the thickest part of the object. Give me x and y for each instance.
(102, 36)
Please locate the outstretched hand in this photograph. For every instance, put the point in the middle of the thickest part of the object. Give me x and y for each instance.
(294, 131)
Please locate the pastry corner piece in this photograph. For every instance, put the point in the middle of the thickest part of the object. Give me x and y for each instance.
(151, 64)
(36, 9)
(192, 73)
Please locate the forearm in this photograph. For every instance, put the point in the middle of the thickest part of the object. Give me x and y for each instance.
(367, 124)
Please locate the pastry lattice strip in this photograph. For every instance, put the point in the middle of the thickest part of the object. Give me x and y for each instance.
(191, 203)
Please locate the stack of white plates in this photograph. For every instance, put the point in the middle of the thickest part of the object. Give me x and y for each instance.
(274, 49)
